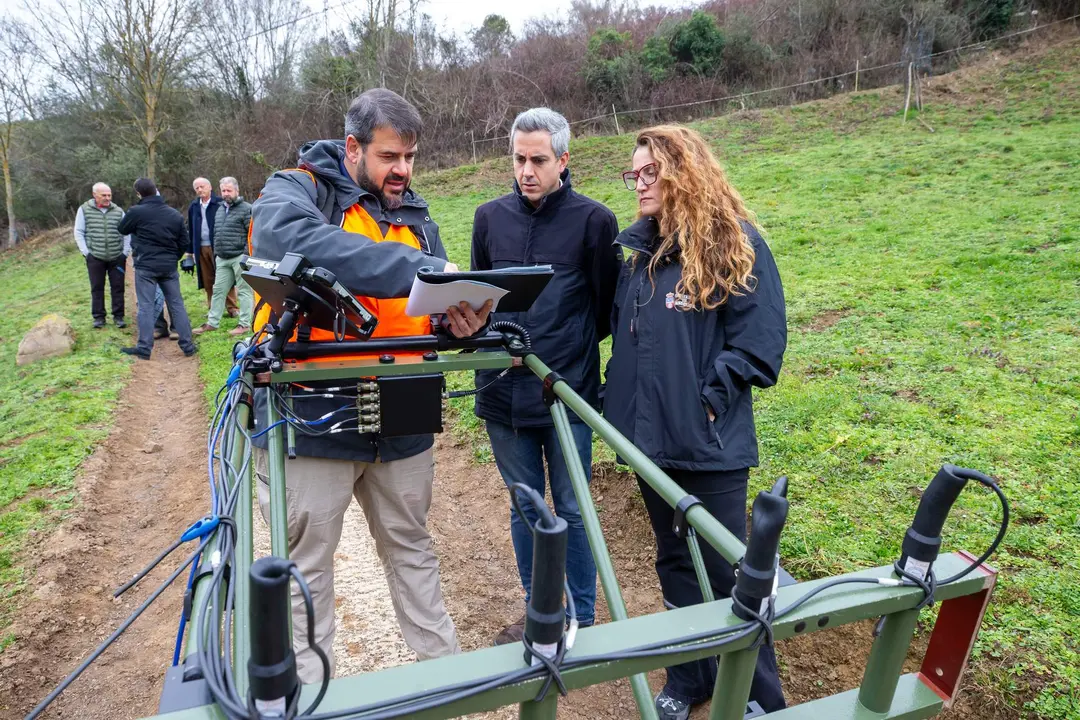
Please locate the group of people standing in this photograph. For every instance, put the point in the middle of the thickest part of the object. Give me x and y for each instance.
(690, 293)
(156, 238)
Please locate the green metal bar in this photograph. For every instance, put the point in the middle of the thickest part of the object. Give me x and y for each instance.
(834, 606)
(544, 710)
(699, 566)
(915, 700)
(732, 688)
(707, 526)
(279, 529)
(402, 365)
(887, 661)
(244, 550)
(639, 684)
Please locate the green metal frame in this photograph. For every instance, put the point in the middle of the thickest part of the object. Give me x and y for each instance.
(884, 692)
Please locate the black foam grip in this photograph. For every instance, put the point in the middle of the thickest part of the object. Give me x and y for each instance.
(272, 667)
(758, 568)
(546, 617)
(937, 500)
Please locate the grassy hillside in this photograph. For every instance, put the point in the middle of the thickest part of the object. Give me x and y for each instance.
(933, 289)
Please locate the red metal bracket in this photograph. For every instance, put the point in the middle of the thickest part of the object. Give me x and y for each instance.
(954, 635)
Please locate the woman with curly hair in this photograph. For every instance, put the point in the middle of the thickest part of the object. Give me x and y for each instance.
(699, 320)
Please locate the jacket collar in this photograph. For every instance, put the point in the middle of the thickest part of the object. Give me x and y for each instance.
(326, 158)
(152, 200)
(643, 236)
(548, 202)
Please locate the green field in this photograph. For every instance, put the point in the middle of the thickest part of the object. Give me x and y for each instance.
(933, 290)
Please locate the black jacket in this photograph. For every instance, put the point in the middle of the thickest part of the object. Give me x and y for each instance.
(194, 226)
(302, 213)
(575, 235)
(157, 235)
(669, 365)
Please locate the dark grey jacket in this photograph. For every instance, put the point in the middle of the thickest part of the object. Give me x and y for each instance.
(574, 234)
(301, 215)
(669, 365)
(157, 236)
(230, 228)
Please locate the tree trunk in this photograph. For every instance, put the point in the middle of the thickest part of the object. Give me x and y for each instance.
(9, 197)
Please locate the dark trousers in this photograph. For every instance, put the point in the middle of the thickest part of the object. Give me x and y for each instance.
(146, 285)
(724, 495)
(99, 270)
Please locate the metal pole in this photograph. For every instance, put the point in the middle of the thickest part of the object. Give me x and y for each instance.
(244, 550)
(604, 569)
(699, 518)
(279, 529)
(699, 566)
(887, 661)
(545, 710)
(732, 688)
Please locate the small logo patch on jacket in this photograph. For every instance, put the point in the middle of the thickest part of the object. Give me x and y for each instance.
(678, 302)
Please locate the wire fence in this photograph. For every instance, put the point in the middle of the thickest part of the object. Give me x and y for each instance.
(615, 114)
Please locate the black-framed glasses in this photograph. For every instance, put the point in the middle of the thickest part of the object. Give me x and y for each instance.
(648, 174)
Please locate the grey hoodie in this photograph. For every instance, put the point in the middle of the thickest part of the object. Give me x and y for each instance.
(296, 214)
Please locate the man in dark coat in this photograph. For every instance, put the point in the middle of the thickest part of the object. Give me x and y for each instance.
(157, 244)
(201, 218)
(544, 222)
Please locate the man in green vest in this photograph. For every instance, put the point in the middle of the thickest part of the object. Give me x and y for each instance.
(106, 252)
(230, 242)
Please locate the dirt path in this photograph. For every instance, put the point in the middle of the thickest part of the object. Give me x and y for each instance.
(141, 488)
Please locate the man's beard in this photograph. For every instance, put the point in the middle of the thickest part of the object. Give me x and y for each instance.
(390, 202)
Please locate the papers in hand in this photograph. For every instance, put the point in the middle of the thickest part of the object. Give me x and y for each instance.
(432, 298)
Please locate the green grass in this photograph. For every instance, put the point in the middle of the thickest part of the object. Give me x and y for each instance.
(933, 291)
(52, 413)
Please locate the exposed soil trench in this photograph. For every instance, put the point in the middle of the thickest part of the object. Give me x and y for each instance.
(137, 497)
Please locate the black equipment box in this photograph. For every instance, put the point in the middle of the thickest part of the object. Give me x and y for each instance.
(410, 404)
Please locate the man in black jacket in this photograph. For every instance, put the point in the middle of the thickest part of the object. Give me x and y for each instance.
(157, 243)
(544, 222)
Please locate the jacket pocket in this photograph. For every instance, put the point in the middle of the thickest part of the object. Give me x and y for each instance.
(710, 425)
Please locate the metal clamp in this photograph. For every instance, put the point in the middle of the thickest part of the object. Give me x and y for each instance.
(549, 387)
(679, 526)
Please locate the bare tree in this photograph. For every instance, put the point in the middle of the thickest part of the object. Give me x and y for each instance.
(144, 44)
(17, 57)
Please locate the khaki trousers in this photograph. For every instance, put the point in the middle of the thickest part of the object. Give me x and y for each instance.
(208, 269)
(395, 497)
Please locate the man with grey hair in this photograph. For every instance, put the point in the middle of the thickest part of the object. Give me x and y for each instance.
(543, 221)
(229, 243)
(201, 216)
(348, 207)
(106, 252)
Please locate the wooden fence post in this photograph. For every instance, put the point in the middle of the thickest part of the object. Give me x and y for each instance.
(615, 115)
(856, 74)
(472, 138)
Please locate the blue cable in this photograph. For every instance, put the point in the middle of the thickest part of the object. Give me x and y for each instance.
(309, 423)
(183, 616)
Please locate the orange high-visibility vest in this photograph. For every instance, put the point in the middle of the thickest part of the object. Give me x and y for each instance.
(393, 322)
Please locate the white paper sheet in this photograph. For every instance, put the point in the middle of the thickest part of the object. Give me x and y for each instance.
(434, 298)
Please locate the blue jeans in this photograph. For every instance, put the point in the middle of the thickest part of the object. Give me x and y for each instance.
(519, 455)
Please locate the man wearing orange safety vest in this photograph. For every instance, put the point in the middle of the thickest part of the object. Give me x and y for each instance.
(348, 207)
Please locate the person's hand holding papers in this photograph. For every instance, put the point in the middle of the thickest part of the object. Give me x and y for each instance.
(464, 322)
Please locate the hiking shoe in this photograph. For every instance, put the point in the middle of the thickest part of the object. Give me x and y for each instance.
(668, 708)
(204, 328)
(240, 330)
(135, 351)
(119, 322)
(173, 335)
(511, 633)
(98, 324)
(192, 351)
